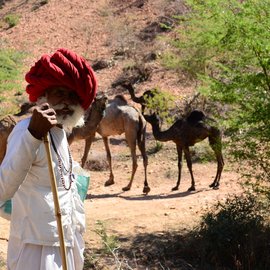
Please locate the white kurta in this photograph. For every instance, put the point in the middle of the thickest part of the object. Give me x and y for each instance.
(24, 177)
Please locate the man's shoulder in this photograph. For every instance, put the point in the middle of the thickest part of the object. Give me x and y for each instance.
(22, 124)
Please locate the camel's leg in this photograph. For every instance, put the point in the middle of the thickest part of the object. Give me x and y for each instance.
(109, 158)
(131, 137)
(180, 154)
(88, 142)
(141, 145)
(189, 164)
(132, 147)
(215, 143)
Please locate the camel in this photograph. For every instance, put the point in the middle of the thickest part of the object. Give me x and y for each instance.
(120, 118)
(148, 94)
(93, 117)
(185, 133)
(7, 123)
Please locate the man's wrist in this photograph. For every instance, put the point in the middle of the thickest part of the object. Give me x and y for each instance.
(35, 134)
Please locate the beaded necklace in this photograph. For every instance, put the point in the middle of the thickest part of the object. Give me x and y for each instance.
(61, 166)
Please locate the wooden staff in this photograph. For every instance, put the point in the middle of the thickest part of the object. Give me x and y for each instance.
(57, 209)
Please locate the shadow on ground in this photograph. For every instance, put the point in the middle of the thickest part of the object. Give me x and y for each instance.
(165, 250)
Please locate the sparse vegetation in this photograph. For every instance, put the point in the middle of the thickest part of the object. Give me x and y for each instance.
(12, 20)
(10, 77)
(109, 242)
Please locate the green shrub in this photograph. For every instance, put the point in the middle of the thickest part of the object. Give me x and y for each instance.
(12, 20)
(161, 103)
(202, 152)
(224, 45)
(235, 236)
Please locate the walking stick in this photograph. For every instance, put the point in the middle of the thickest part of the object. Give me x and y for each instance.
(57, 209)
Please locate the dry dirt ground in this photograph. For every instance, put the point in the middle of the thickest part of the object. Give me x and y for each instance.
(97, 29)
(126, 214)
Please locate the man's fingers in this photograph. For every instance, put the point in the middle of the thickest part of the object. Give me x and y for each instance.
(44, 109)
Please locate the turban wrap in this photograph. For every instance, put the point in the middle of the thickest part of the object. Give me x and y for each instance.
(66, 69)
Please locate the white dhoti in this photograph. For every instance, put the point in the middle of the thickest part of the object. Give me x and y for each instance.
(36, 257)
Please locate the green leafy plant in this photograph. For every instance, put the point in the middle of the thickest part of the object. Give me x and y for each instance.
(12, 20)
(110, 242)
(161, 103)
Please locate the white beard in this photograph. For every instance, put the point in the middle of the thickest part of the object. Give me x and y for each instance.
(67, 121)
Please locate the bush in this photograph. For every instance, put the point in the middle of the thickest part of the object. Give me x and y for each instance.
(12, 20)
(234, 235)
(224, 45)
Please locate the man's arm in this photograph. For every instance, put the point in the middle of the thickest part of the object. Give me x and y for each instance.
(23, 144)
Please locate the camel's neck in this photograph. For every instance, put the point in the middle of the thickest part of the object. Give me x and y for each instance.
(92, 121)
(162, 136)
(132, 95)
(94, 117)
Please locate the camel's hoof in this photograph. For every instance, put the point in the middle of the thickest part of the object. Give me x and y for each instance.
(214, 186)
(126, 188)
(109, 183)
(146, 190)
(191, 189)
(175, 188)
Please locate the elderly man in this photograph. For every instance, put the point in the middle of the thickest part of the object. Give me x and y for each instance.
(63, 85)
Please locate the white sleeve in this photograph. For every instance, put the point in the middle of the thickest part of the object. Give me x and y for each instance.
(20, 154)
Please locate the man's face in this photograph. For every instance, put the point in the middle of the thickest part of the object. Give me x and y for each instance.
(60, 99)
(66, 104)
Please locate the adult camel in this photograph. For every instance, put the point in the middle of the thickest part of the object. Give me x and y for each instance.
(185, 133)
(119, 118)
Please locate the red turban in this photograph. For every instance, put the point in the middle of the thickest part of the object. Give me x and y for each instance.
(63, 68)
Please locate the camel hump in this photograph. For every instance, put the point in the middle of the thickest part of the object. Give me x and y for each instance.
(195, 116)
(120, 100)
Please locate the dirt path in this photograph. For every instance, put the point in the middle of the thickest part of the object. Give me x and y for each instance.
(128, 213)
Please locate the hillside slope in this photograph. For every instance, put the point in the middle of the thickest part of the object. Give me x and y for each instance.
(123, 33)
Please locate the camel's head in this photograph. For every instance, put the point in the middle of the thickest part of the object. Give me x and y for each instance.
(153, 119)
(101, 101)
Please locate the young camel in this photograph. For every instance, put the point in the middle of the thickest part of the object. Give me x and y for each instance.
(120, 118)
(187, 132)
